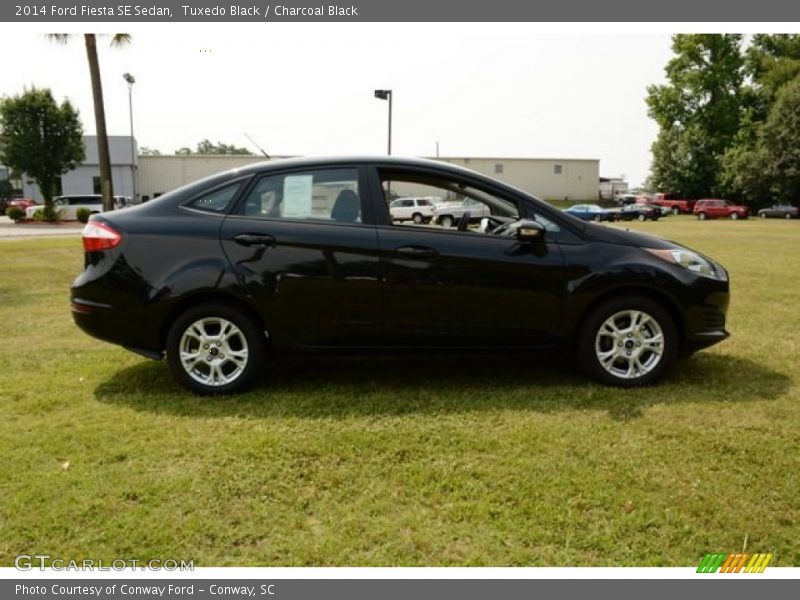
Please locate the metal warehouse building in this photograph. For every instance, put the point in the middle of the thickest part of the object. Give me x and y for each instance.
(546, 178)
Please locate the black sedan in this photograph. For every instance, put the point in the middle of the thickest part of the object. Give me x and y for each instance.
(641, 212)
(302, 255)
(779, 211)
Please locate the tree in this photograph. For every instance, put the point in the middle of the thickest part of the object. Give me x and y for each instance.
(206, 147)
(753, 168)
(90, 40)
(146, 151)
(779, 143)
(698, 113)
(40, 138)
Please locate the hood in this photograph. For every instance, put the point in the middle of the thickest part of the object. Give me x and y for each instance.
(612, 235)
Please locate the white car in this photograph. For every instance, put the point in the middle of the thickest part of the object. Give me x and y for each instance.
(419, 210)
(68, 206)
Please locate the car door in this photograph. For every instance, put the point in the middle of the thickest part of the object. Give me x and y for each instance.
(304, 250)
(450, 288)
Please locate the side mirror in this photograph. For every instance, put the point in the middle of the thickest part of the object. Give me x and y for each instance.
(528, 231)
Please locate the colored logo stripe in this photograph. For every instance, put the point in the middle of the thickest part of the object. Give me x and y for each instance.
(734, 563)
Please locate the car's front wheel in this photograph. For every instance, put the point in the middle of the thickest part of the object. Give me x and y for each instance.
(702, 216)
(215, 349)
(627, 342)
(734, 216)
(417, 218)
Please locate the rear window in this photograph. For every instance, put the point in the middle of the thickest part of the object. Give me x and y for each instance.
(218, 200)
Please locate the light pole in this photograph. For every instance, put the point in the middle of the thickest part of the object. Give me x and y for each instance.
(387, 95)
(131, 80)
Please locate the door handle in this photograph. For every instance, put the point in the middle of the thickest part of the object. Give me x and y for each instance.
(417, 252)
(254, 239)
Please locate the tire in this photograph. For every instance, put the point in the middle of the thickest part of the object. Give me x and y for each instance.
(642, 218)
(734, 216)
(417, 218)
(788, 216)
(764, 215)
(598, 219)
(199, 334)
(446, 221)
(628, 364)
(701, 216)
(676, 211)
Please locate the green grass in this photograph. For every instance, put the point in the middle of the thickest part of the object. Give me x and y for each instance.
(505, 461)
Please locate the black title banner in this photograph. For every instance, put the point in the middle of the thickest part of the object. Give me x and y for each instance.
(199, 11)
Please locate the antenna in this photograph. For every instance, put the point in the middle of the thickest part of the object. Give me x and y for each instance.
(257, 146)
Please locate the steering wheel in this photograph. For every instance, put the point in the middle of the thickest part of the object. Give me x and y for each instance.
(464, 221)
(502, 229)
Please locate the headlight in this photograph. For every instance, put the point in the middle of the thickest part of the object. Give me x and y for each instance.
(688, 260)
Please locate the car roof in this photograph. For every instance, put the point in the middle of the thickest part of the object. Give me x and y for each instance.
(316, 161)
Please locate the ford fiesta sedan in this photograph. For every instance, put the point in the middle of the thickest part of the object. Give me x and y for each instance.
(303, 255)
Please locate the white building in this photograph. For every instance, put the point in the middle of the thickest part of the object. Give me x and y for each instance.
(546, 178)
(85, 178)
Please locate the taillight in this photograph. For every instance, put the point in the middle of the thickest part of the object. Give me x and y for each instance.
(98, 236)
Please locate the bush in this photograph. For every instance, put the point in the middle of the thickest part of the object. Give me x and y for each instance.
(83, 214)
(51, 214)
(15, 213)
(38, 215)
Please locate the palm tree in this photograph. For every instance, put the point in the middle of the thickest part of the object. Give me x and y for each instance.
(117, 40)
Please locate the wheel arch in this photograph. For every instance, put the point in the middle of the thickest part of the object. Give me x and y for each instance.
(207, 297)
(655, 295)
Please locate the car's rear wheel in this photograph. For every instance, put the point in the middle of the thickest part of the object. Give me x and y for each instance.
(788, 216)
(417, 218)
(446, 221)
(215, 349)
(642, 217)
(676, 211)
(701, 216)
(628, 341)
(763, 215)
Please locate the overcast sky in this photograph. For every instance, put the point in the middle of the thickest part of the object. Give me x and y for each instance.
(505, 90)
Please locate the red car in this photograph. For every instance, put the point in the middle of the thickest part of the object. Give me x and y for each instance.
(711, 208)
(22, 203)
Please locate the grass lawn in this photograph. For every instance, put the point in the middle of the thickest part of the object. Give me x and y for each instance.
(419, 461)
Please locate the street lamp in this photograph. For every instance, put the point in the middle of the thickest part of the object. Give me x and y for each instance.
(131, 80)
(387, 95)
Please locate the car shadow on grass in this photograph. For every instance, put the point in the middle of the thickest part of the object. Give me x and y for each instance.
(339, 387)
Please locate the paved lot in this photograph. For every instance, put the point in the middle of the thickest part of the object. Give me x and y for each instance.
(12, 231)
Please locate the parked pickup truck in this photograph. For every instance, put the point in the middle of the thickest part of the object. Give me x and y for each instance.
(449, 213)
(677, 206)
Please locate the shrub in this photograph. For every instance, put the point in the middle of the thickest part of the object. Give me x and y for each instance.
(83, 214)
(51, 214)
(15, 213)
(38, 215)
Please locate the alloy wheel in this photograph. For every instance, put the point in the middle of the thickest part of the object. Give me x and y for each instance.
(629, 344)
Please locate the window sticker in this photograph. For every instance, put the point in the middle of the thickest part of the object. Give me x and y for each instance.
(297, 196)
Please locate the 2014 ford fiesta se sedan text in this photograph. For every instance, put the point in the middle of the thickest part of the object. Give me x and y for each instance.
(303, 255)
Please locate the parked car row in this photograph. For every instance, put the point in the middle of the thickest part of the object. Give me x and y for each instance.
(628, 212)
(431, 209)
